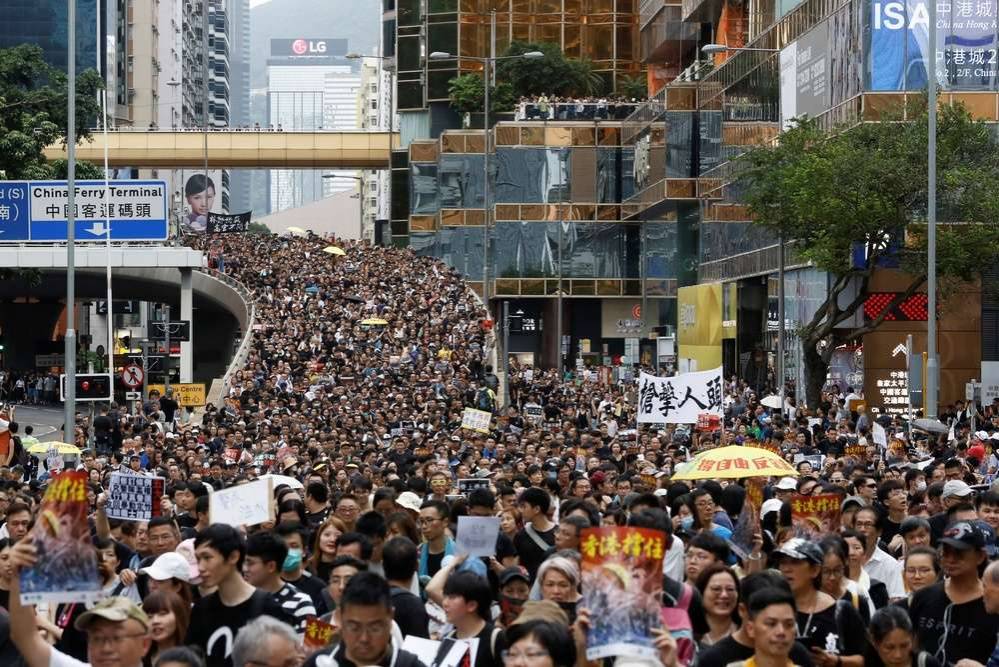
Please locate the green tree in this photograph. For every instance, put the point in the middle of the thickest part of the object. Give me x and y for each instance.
(33, 113)
(632, 87)
(258, 228)
(865, 186)
(467, 94)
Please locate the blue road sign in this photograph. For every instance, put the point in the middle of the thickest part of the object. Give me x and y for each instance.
(36, 211)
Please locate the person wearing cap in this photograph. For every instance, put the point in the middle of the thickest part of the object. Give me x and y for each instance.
(785, 488)
(514, 591)
(117, 629)
(171, 572)
(955, 492)
(832, 630)
(950, 617)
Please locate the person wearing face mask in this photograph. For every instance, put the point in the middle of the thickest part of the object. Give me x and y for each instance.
(265, 557)
(293, 568)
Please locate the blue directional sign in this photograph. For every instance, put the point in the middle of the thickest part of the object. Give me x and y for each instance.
(37, 211)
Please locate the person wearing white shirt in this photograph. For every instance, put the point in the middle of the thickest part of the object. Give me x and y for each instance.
(878, 564)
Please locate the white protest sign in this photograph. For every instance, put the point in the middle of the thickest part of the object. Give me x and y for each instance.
(134, 497)
(534, 412)
(879, 435)
(679, 399)
(424, 649)
(477, 535)
(476, 420)
(54, 460)
(243, 505)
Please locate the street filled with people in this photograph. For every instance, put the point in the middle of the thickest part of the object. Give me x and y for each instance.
(371, 491)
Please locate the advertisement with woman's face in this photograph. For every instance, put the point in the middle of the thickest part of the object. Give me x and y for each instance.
(201, 196)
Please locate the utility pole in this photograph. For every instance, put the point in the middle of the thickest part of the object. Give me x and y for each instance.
(932, 363)
(69, 408)
(166, 359)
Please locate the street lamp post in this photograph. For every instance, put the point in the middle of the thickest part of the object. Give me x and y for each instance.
(932, 363)
(69, 407)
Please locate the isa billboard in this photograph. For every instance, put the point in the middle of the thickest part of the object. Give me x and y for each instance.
(898, 57)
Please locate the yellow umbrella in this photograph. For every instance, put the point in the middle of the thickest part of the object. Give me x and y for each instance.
(295, 230)
(734, 462)
(334, 250)
(374, 322)
(44, 447)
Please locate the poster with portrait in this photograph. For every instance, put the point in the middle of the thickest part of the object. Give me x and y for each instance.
(622, 578)
(67, 560)
(199, 195)
(813, 516)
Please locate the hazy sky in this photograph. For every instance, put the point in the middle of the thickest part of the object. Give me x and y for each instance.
(254, 3)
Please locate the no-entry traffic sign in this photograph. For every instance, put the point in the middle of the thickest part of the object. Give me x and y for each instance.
(132, 376)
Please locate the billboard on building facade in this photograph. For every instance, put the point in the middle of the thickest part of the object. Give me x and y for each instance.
(199, 196)
(966, 53)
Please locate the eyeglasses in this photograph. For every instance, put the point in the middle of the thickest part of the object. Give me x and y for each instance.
(111, 640)
(372, 629)
(522, 656)
(832, 572)
(426, 522)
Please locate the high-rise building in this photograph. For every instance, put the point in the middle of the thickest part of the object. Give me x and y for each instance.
(43, 23)
(374, 109)
(310, 86)
(239, 95)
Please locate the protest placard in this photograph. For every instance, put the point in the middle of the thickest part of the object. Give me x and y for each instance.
(476, 420)
(243, 505)
(879, 435)
(622, 577)
(679, 399)
(424, 649)
(318, 633)
(477, 535)
(134, 497)
(534, 412)
(813, 516)
(66, 570)
(466, 486)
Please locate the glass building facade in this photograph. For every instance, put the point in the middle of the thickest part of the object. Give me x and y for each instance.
(602, 31)
(44, 23)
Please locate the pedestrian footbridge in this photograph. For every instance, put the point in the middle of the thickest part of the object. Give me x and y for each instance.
(237, 149)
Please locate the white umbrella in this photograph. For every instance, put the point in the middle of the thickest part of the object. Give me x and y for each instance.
(283, 479)
(771, 402)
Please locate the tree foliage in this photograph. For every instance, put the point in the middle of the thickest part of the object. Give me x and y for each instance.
(258, 228)
(633, 87)
(552, 75)
(34, 113)
(467, 95)
(866, 185)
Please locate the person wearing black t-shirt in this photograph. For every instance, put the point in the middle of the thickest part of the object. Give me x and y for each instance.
(534, 540)
(365, 628)
(950, 618)
(217, 618)
(831, 629)
(739, 645)
(436, 544)
(399, 561)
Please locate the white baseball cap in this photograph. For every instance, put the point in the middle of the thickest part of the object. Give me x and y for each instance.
(170, 565)
(787, 484)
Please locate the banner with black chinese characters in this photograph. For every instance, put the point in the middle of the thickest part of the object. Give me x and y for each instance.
(229, 223)
(67, 560)
(134, 497)
(813, 516)
(680, 399)
(622, 586)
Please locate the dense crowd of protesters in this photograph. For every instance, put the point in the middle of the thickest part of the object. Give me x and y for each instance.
(365, 419)
(544, 107)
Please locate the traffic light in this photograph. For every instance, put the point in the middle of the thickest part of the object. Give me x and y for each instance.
(89, 387)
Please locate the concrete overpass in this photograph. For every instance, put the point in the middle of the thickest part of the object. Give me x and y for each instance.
(248, 149)
(217, 307)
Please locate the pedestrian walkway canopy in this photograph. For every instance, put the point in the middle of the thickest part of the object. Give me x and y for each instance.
(235, 149)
